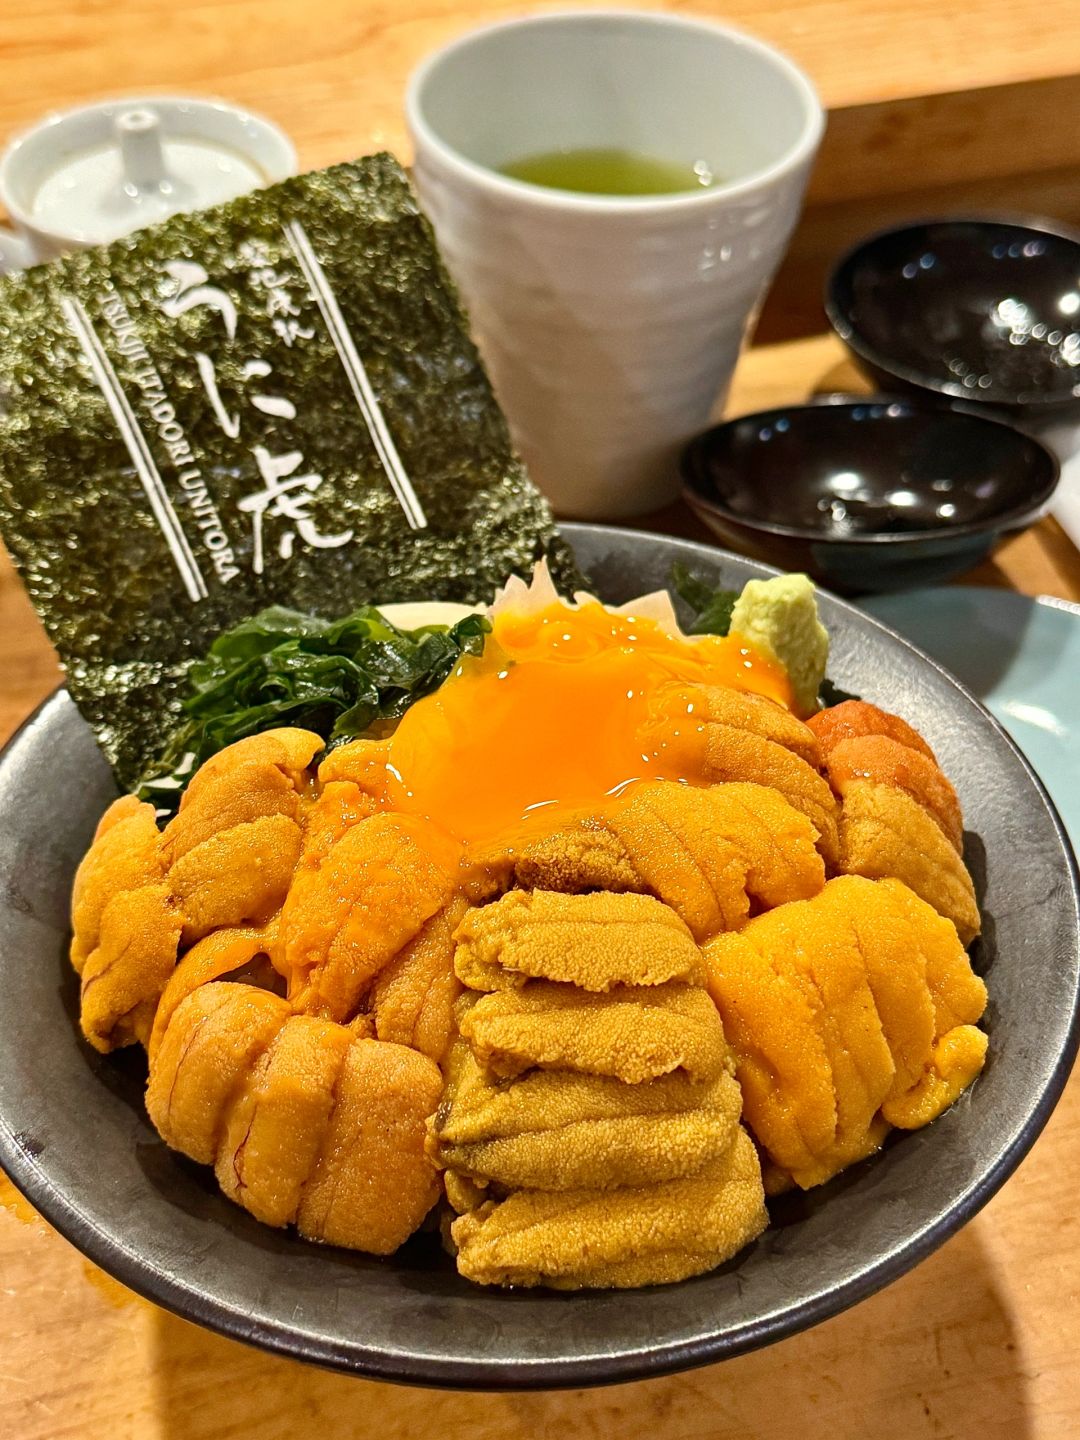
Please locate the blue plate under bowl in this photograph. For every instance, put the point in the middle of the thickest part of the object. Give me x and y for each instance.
(1021, 657)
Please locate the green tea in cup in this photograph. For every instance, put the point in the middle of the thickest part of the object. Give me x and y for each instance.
(612, 294)
(599, 171)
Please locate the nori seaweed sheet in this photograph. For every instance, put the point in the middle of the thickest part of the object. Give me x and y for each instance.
(74, 506)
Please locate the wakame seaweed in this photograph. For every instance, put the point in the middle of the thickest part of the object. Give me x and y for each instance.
(272, 402)
(280, 667)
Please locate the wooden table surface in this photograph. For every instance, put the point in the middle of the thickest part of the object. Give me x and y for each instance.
(932, 106)
(980, 1340)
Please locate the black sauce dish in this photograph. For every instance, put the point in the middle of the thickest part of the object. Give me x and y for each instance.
(984, 310)
(867, 493)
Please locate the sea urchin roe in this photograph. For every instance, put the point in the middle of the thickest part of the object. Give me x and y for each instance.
(551, 721)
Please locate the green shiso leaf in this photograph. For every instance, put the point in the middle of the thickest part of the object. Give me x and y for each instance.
(281, 667)
(712, 608)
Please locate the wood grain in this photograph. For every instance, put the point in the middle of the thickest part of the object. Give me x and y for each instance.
(933, 138)
(980, 1341)
(332, 72)
(932, 107)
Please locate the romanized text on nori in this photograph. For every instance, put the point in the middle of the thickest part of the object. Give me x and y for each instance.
(274, 401)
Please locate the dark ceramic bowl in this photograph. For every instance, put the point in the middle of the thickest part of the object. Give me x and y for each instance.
(75, 1138)
(984, 310)
(879, 493)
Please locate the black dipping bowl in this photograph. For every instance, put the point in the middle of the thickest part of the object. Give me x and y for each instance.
(874, 494)
(981, 310)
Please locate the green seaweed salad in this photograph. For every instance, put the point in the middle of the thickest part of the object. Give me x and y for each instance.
(339, 678)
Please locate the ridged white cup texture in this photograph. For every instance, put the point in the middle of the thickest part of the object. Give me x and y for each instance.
(611, 326)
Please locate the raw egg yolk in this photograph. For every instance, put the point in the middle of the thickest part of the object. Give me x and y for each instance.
(550, 722)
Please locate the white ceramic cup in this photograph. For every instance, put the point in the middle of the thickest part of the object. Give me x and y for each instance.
(611, 325)
(35, 157)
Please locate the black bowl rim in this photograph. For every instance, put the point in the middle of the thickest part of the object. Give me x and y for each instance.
(856, 342)
(999, 523)
(172, 1294)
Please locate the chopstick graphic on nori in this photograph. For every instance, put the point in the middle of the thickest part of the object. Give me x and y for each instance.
(337, 678)
(272, 403)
